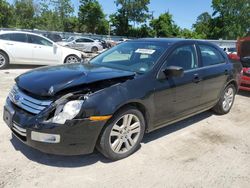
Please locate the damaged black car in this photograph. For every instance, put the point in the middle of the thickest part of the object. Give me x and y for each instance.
(110, 102)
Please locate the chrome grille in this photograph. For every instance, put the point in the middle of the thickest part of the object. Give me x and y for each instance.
(26, 102)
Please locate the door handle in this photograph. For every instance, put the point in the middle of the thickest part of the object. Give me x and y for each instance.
(196, 79)
(9, 44)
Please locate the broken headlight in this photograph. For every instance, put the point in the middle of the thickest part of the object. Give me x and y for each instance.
(66, 111)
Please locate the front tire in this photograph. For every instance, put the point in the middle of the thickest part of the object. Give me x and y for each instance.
(94, 49)
(4, 60)
(226, 101)
(123, 134)
(71, 59)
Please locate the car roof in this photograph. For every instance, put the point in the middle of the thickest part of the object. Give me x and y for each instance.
(79, 37)
(171, 41)
(24, 32)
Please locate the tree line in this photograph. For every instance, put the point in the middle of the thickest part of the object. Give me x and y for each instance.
(230, 19)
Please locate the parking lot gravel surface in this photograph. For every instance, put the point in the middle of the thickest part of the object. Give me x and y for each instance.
(203, 151)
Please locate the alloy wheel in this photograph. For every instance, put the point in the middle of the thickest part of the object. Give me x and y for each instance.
(72, 59)
(2, 60)
(125, 133)
(228, 99)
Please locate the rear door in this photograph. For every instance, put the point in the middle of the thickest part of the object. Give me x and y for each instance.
(216, 70)
(18, 47)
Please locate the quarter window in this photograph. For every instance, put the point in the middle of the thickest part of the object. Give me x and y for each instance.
(210, 55)
(184, 56)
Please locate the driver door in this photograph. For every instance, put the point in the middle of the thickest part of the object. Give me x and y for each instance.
(176, 97)
(43, 51)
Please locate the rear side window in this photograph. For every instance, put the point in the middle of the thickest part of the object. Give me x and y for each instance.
(210, 56)
(5, 37)
(19, 37)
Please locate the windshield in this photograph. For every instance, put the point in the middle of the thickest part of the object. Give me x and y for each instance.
(132, 56)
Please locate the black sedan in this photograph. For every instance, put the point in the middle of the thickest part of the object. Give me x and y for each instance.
(109, 103)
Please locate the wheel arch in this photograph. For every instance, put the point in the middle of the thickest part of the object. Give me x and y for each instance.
(233, 82)
(5, 54)
(139, 106)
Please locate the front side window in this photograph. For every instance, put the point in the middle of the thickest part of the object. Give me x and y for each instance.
(88, 40)
(184, 56)
(131, 56)
(210, 55)
(19, 37)
(39, 40)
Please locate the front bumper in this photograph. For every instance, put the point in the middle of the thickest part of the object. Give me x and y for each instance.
(76, 136)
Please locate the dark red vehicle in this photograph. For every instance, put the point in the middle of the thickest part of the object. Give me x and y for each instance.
(243, 56)
(243, 47)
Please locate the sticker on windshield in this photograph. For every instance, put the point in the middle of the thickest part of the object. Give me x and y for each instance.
(145, 51)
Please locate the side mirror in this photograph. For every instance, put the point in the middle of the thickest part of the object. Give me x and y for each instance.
(54, 45)
(171, 71)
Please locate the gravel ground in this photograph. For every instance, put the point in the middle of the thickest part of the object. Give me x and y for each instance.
(203, 151)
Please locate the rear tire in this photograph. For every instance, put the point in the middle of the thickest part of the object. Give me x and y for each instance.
(4, 60)
(123, 134)
(226, 100)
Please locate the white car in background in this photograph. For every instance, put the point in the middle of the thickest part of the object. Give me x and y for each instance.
(83, 43)
(28, 48)
(229, 50)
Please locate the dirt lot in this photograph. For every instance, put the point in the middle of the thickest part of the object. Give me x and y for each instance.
(202, 151)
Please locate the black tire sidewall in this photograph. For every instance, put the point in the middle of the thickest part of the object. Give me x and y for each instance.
(104, 141)
(6, 60)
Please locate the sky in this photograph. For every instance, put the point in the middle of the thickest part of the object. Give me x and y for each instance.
(184, 12)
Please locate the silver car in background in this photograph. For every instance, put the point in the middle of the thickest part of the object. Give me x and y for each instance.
(83, 43)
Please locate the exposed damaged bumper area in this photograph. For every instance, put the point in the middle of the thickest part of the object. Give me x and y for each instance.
(74, 137)
(62, 115)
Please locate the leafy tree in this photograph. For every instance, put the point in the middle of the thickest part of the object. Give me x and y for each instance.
(24, 12)
(6, 14)
(64, 9)
(203, 25)
(164, 26)
(135, 11)
(189, 34)
(55, 15)
(91, 17)
(48, 18)
(233, 17)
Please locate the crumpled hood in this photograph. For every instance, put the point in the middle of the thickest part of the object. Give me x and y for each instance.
(47, 81)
